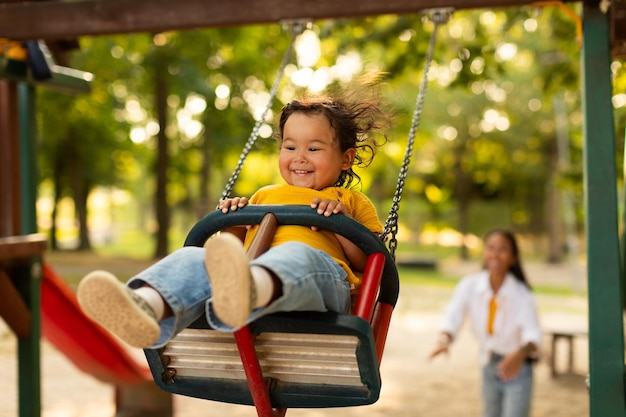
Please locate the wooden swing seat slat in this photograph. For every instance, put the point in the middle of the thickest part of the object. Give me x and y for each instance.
(306, 359)
(286, 357)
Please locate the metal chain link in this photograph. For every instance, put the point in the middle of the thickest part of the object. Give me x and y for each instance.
(297, 27)
(438, 16)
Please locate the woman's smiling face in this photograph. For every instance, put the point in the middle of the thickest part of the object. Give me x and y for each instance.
(498, 254)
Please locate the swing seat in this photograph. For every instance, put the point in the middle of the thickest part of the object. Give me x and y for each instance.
(312, 360)
(304, 359)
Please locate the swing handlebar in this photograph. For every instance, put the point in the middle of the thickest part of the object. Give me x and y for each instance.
(303, 215)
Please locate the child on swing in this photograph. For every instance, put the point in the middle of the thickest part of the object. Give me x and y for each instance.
(305, 269)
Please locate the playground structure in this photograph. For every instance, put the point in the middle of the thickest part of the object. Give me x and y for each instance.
(21, 251)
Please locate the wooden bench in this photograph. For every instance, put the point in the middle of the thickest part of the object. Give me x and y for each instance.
(429, 263)
(569, 336)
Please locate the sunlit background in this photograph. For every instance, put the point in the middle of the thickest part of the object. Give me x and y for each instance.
(502, 115)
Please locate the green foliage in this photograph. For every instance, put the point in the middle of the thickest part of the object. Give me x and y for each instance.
(492, 115)
(487, 133)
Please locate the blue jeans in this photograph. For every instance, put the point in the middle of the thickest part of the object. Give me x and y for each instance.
(311, 281)
(506, 398)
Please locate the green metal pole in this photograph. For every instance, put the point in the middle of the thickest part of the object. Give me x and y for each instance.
(28, 349)
(29, 282)
(623, 232)
(606, 333)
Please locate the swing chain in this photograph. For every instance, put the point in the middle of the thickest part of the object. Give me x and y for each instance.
(297, 27)
(390, 231)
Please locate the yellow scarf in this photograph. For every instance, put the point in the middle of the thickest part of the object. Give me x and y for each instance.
(493, 306)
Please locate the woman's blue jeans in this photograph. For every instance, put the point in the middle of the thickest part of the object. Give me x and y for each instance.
(311, 281)
(506, 398)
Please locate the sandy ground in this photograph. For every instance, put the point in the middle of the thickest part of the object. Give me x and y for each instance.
(412, 385)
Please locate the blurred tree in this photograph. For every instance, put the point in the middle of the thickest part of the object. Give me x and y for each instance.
(84, 140)
(489, 122)
(488, 132)
(192, 76)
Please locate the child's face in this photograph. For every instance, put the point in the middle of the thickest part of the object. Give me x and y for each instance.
(310, 157)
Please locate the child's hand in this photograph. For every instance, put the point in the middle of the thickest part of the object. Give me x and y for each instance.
(328, 207)
(232, 204)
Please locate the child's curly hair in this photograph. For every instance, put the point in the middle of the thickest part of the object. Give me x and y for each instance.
(355, 121)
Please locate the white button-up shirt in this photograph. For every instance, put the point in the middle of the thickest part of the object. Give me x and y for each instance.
(516, 322)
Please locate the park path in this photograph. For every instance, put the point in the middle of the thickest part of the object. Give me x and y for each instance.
(412, 385)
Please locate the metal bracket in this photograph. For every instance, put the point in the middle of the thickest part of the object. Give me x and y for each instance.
(439, 15)
(297, 25)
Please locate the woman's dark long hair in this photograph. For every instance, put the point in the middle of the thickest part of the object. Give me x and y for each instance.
(516, 268)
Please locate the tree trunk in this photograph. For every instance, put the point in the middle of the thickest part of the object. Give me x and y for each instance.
(554, 225)
(202, 207)
(80, 203)
(54, 244)
(462, 191)
(80, 192)
(162, 162)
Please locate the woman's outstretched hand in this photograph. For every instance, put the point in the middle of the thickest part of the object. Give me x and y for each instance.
(443, 345)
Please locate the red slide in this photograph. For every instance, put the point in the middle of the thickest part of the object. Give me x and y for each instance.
(87, 345)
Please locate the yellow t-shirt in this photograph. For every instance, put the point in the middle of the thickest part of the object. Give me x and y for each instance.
(359, 208)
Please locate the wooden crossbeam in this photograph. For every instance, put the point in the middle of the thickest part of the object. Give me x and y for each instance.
(22, 247)
(58, 19)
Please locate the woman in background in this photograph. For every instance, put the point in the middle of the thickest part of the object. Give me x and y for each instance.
(502, 310)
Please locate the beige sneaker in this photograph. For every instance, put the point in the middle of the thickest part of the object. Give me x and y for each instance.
(232, 287)
(108, 302)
